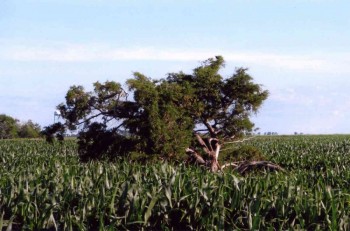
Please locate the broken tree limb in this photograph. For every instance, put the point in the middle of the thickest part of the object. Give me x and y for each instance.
(237, 141)
(217, 151)
(210, 128)
(240, 141)
(203, 144)
(234, 164)
(212, 147)
(244, 166)
(212, 143)
(194, 157)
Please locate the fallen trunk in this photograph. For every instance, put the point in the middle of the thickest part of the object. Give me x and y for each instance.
(245, 166)
(211, 148)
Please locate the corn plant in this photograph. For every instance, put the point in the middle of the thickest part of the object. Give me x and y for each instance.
(44, 186)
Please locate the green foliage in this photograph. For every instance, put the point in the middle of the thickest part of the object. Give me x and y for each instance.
(11, 128)
(222, 106)
(8, 127)
(98, 139)
(53, 131)
(46, 187)
(162, 115)
(29, 130)
(243, 153)
(163, 127)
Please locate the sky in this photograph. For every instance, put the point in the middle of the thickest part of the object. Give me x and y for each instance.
(299, 50)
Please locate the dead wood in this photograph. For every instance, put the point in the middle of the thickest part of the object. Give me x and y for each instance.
(212, 147)
(194, 157)
(245, 166)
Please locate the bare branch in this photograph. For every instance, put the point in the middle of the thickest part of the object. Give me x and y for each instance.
(243, 166)
(212, 131)
(88, 119)
(236, 141)
(201, 130)
(217, 151)
(212, 143)
(194, 157)
(203, 144)
(240, 141)
(234, 164)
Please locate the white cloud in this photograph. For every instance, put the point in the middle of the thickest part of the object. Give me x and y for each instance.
(296, 62)
(62, 52)
(298, 102)
(292, 97)
(314, 110)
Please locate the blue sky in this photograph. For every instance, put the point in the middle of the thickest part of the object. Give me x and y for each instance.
(298, 49)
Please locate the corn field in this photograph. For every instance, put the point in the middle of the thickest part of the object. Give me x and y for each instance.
(45, 187)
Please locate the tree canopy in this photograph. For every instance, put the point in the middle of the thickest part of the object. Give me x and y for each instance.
(12, 128)
(160, 116)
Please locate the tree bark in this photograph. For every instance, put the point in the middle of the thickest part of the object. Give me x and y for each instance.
(212, 147)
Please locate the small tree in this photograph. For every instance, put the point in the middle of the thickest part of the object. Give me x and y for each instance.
(12, 128)
(8, 127)
(164, 116)
(29, 129)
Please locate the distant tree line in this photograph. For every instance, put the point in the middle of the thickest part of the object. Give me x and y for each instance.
(11, 128)
(270, 133)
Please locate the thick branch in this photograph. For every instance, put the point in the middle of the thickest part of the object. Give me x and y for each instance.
(194, 157)
(211, 130)
(203, 144)
(217, 151)
(88, 119)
